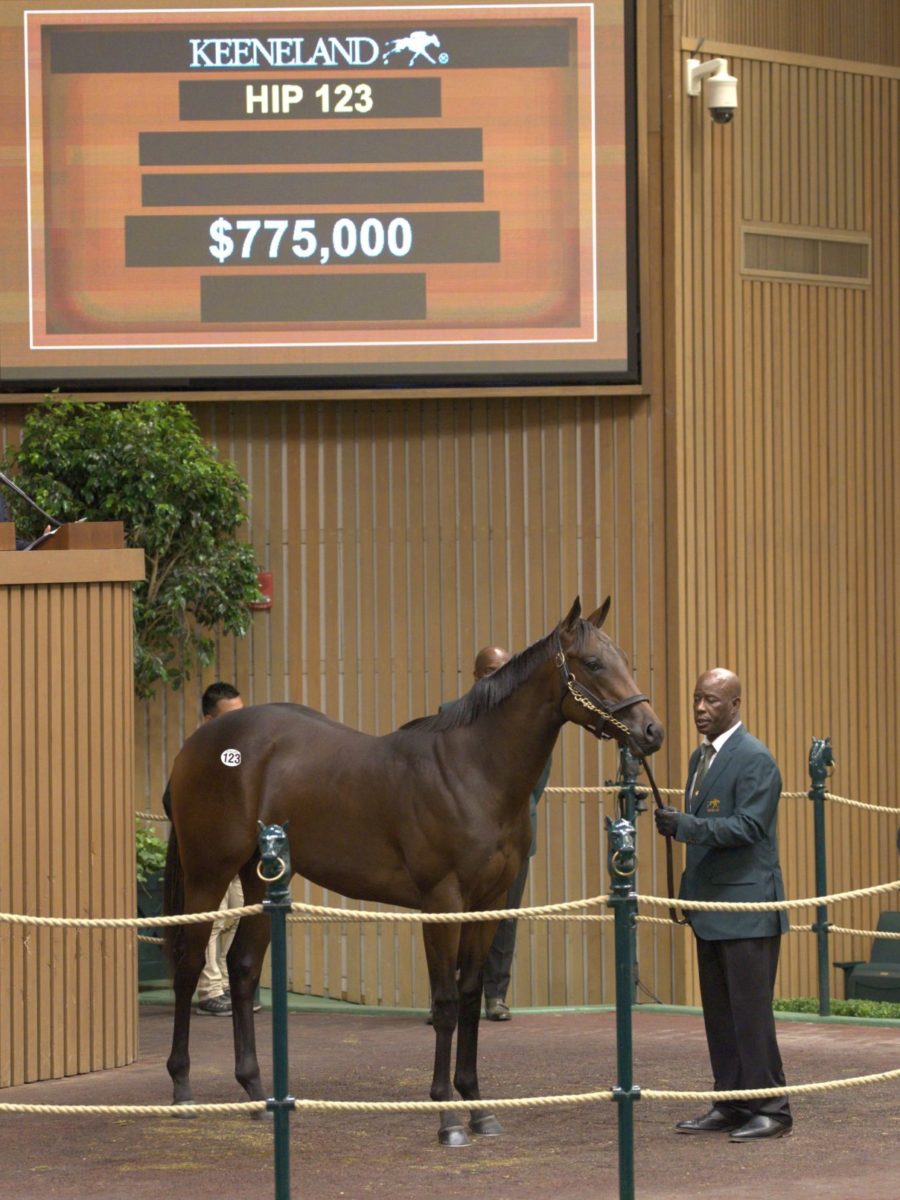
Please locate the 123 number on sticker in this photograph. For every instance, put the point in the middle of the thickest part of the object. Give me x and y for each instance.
(231, 758)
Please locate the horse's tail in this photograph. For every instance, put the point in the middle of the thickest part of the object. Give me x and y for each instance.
(173, 900)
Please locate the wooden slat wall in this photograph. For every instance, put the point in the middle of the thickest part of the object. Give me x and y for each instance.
(785, 445)
(868, 31)
(403, 536)
(68, 1000)
(744, 512)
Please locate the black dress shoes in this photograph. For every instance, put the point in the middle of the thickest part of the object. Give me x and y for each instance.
(711, 1122)
(763, 1126)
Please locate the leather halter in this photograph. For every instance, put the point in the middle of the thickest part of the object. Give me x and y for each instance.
(604, 710)
(605, 713)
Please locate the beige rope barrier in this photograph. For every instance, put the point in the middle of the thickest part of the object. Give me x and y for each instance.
(773, 905)
(248, 910)
(563, 791)
(314, 912)
(430, 1106)
(879, 808)
(803, 1089)
(616, 788)
(879, 933)
(137, 1110)
(882, 808)
(568, 911)
(601, 917)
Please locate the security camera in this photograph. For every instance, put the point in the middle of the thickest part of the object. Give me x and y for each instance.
(721, 88)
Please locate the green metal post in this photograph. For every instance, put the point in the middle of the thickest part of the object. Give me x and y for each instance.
(275, 868)
(821, 763)
(622, 864)
(631, 804)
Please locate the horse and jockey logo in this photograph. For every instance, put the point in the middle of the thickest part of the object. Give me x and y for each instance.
(416, 45)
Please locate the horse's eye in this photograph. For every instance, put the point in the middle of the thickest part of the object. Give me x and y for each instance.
(592, 664)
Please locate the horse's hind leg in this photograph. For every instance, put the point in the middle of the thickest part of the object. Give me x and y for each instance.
(244, 964)
(188, 956)
(475, 943)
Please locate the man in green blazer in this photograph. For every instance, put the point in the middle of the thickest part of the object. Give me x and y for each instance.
(729, 826)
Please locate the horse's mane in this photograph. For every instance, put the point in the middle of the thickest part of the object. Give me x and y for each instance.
(492, 690)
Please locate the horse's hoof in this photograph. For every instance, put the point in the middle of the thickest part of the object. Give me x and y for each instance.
(263, 1114)
(454, 1135)
(182, 1109)
(486, 1126)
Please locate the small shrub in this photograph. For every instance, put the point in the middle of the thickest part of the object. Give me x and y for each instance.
(883, 1009)
(150, 853)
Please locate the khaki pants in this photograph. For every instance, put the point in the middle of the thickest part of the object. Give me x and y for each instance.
(213, 979)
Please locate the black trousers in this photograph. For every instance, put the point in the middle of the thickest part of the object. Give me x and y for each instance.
(498, 965)
(737, 981)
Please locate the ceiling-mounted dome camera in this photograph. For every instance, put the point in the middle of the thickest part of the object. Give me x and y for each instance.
(721, 88)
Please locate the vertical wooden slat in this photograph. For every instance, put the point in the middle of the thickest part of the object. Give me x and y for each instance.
(69, 998)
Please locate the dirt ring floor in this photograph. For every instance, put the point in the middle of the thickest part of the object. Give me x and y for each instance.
(845, 1145)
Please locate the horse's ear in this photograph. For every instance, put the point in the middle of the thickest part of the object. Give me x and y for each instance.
(284, 824)
(260, 824)
(597, 618)
(568, 622)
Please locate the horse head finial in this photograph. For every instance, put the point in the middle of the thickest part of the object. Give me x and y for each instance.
(821, 761)
(274, 852)
(621, 847)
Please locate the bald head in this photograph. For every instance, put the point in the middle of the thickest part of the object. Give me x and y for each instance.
(716, 702)
(490, 659)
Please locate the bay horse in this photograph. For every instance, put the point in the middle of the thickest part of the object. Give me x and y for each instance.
(434, 817)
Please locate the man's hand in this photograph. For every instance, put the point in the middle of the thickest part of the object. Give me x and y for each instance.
(667, 821)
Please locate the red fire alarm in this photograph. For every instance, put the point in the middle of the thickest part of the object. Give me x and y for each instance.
(266, 587)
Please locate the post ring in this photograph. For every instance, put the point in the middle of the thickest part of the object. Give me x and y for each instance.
(615, 866)
(271, 878)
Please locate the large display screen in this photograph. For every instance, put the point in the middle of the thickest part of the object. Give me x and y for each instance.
(352, 196)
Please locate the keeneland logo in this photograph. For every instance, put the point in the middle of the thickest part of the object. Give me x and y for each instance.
(416, 44)
(254, 53)
(247, 53)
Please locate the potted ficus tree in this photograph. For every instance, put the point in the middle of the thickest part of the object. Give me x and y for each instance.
(146, 464)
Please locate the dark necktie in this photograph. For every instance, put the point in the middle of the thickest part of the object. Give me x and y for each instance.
(706, 756)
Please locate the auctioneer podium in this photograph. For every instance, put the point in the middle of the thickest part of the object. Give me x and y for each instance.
(68, 997)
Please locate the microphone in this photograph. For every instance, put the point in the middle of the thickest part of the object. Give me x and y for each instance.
(15, 487)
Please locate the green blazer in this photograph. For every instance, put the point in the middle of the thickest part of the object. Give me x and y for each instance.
(730, 829)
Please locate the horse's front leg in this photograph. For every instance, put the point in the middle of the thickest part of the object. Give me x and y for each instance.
(441, 951)
(475, 944)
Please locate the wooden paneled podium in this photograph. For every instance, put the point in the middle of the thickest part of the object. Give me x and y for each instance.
(68, 1003)
(86, 535)
(79, 535)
